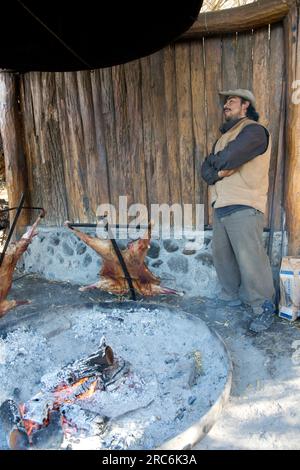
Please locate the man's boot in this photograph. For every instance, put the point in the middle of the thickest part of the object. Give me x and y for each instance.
(265, 315)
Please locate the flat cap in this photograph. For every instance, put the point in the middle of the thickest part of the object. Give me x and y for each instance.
(246, 94)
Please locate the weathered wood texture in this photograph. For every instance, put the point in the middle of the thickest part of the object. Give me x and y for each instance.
(292, 180)
(143, 129)
(11, 133)
(252, 16)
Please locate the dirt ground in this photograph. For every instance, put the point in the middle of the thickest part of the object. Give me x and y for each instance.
(263, 411)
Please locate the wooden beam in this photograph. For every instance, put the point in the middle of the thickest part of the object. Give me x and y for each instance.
(252, 16)
(292, 180)
(10, 129)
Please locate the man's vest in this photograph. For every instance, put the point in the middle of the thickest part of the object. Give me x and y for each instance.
(249, 184)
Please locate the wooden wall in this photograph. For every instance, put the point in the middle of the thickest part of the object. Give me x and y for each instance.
(142, 129)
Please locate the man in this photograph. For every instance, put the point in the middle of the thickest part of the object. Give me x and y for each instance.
(237, 172)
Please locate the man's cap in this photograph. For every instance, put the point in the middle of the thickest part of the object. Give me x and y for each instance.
(246, 94)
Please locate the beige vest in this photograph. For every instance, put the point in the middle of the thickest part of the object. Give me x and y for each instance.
(249, 184)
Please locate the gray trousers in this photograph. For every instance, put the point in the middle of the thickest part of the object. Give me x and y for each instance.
(239, 256)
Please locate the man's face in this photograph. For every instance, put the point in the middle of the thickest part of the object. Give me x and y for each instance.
(234, 108)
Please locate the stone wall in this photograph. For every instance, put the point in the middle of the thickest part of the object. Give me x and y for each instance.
(57, 254)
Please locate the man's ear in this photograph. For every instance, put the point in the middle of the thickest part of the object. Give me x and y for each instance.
(247, 104)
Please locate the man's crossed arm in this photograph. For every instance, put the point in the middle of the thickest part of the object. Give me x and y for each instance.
(251, 142)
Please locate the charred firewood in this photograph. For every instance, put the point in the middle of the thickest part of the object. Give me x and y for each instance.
(9, 415)
(18, 440)
(12, 425)
(112, 277)
(95, 364)
(51, 436)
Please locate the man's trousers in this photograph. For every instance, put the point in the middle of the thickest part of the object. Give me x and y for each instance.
(239, 256)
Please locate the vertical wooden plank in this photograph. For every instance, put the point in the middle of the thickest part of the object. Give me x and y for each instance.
(29, 139)
(87, 137)
(53, 179)
(244, 60)
(229, 70)
(213, 84)
(292, 201)
(261, 77)
(11, 132)
(102, 172)
(109, 130)
(96, 180)
(121, 121)
(275, 91)
(34, 79)
(67, 154)
(172, 125)
(75, 163)
(159, 141)
(135, 132)
(261, 74)
(199, 121)
(147, 123)
(185, 123)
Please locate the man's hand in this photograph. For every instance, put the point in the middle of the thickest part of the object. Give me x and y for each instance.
(224, 173)
(209, 173)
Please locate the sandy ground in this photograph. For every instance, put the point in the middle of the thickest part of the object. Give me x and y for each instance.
(263, 411)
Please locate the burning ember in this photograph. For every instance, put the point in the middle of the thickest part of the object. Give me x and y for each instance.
(112, 277)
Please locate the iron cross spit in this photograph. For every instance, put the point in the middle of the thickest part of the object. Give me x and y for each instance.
(112, 278)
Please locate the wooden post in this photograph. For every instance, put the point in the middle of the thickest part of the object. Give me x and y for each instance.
(252, 16)
(292, 177)
(10, 129)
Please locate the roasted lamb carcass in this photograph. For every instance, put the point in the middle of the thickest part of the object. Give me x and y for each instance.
(112, 278)
(11, 257)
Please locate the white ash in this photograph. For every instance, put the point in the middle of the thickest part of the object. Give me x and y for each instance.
(166, 391)
(23, 354)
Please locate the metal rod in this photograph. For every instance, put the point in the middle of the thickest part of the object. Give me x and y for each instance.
(24, 207)
(112, 225)
(11, 231)
(122, 262)
(206, 227)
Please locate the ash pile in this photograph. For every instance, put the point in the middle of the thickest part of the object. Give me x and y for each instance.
(155, 373)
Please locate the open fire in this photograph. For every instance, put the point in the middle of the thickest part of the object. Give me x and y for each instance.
(38, 422)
